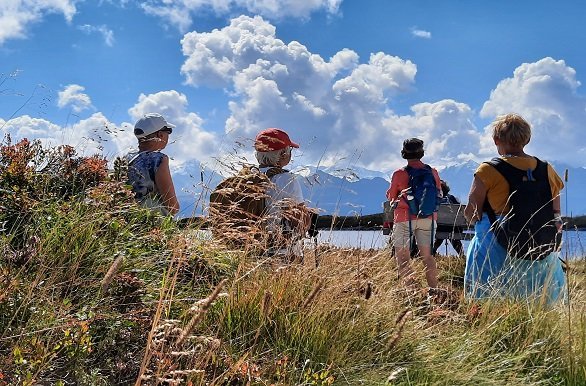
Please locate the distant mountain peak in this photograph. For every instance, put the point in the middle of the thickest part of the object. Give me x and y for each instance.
(343, 190)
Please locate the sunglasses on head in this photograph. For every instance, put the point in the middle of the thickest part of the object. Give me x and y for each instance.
(167, 130)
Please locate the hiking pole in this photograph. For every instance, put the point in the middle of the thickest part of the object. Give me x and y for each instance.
(315, 251)
(564, 227)
(313, 232)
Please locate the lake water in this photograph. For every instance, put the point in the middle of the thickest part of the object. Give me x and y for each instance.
(574, 242)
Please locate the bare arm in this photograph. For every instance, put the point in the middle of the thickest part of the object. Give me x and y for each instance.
(473, 211)
(438, 183)
(165, 186)
(557, 212)
(393, 191)
(557, 204)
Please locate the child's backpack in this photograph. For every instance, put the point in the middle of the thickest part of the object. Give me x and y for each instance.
(238, 203)
(423, 200)
(527, 230)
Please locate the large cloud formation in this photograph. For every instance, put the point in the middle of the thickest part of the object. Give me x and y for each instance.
(546, 94)
(17, 15)
(179, 12)
(189, 140)
(338, 107)
(97, 134)
(446, 128)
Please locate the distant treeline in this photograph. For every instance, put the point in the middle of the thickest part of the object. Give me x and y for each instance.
(370, 221)
(576, 222)
(375, 221)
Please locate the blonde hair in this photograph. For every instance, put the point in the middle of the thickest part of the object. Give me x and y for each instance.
(511, 129)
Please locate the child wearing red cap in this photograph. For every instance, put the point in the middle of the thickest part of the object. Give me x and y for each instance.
(288, 216)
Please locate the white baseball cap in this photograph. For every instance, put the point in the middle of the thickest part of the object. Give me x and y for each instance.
(150, 123)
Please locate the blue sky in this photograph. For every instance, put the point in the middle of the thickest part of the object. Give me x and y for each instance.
(348, 79)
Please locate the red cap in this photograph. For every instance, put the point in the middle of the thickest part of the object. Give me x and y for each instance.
(273, 139)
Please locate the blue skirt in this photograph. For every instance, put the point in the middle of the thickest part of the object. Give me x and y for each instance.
(491, 273)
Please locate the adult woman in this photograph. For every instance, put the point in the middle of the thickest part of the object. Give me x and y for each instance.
(148, 168)
(490, 269)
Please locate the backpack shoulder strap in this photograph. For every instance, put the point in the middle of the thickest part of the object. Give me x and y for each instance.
(410, 169)
(541, 168)
(274, 171)
(513, 177)
(428, 167)
(495, 163)
(508, 171)
(134, 157)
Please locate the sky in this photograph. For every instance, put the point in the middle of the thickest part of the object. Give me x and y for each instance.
(348, 79)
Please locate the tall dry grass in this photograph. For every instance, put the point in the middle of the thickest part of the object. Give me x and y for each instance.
(320, 320)
(97, 291)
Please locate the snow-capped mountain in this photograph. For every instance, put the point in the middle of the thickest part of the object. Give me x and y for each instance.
(357, 191)
(345, 194)
(355, 173)
(459, 178)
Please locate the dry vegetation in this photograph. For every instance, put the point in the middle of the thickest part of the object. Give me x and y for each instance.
(96, 291)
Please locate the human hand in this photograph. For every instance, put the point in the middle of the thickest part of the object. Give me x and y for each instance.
(559, 225)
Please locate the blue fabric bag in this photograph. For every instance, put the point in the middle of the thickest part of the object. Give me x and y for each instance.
(491, 273)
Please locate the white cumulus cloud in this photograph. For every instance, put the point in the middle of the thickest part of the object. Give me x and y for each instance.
(446, 127)
(107, 33)
(97, 134)
(419, 33)
(73, 95)
(92, 135)
(338, 108)
(189, 140)
(16, 16)
(546, 94)
(341, 108)
(179, 12)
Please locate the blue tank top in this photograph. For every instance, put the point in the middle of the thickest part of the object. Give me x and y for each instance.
(142, 167)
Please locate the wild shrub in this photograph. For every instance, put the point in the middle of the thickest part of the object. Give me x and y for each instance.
(67, 313)
(32, 175)
(98, 291)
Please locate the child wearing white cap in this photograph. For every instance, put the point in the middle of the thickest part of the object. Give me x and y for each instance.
(148, 168)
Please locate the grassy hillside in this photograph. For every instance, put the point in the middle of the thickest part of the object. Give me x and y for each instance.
(96, 291)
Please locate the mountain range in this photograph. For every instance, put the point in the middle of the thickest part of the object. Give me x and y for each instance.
(358, 191)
